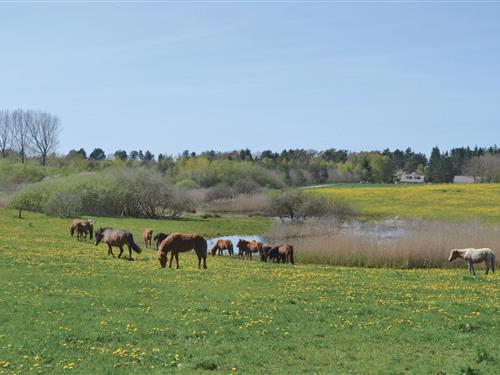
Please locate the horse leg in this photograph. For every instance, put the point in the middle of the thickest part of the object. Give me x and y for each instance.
(177, 259)
(471, 268)
(129, 252)
(121, 251)
(199, 259)
(204, 262)
(171, 259)
(110, 251)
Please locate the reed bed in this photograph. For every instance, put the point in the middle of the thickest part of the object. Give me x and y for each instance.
(393, 243)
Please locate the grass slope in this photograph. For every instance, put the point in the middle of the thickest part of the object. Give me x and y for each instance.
(445, 201)
(65, 307)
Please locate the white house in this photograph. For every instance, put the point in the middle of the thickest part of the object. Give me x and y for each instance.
(411, 178)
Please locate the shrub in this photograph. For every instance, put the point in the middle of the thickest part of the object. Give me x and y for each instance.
(124, 191)
(246, 186)
(220, 191)
(295, 204)
(64, 204)
(186, 184)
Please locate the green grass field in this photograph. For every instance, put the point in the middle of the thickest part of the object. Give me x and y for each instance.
(446, 201)
(66, 307)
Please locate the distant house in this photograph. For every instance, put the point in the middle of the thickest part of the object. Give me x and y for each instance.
(411, 178)
(464, 180)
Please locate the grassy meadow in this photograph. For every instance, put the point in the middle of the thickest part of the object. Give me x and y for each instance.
(66, 307)
(440, 201)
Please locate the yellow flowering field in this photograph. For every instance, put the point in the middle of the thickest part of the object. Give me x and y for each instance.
(441, 201)
(68, 308)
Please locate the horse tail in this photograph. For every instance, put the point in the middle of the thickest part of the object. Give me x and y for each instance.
(291, 255)
(132, 244)
(72, 229)
(492, 262)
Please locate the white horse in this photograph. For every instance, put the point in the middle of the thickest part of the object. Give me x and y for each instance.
(472, 256)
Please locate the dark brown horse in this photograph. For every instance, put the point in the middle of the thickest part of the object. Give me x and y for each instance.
(146, 236)
(159, 237)
(264, 253)
(118, 238)
(283, 253)
(246, 248)
(82, 228)
(221, 245)
(181, 243)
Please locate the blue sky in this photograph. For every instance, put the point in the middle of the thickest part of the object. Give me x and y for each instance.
(169, 76)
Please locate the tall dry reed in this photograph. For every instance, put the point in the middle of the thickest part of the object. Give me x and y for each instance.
(396, 244)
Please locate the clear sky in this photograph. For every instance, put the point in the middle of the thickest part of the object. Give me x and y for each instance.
(171, 76)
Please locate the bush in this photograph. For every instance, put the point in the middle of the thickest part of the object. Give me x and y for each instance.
(64, 204)
(246, 186)
(295, 204)
(124, 191)
(186, 184)
(220, 191)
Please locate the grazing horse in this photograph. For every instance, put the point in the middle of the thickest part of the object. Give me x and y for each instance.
(222, 245)
(159, 237)
(118, 238)
(146, 236)
(181, 243)
(82, 228)
(283, 253)
(246, 248)
(264, 253)
(472, 256)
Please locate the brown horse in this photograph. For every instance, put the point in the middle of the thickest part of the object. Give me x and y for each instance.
(118, 238)
(82, 228)
(181, 243)
(147, 235)
(159, 237)
(246, 248)
(222, 245)
(283, 253)
(264, 253)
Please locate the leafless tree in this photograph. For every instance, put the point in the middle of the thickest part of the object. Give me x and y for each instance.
(20, 134)
(43, 131)
(486, 167)
(5, 132)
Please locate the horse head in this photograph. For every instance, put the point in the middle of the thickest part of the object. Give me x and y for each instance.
(453, 255)
(99, 235)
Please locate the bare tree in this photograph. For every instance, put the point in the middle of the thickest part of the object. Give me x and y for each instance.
(5, 132)
(19, 126)
(486, 167)
(43, 130)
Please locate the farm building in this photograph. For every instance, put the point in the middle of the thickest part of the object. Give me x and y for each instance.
(411, 178)
(464, 180)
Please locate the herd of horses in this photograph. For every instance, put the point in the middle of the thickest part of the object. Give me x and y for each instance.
(176, 243)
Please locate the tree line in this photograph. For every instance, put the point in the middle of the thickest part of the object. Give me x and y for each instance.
(297, 167)
(30, 133)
